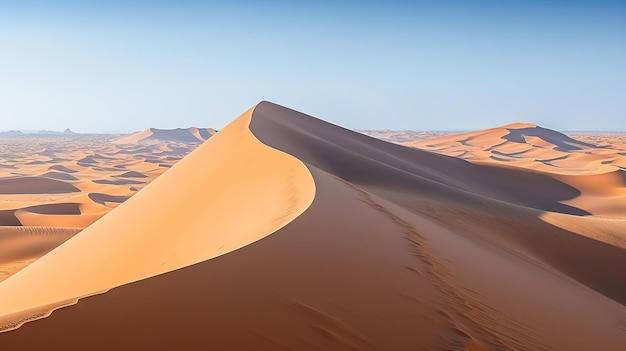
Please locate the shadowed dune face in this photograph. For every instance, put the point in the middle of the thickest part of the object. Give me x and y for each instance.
(34, 185)
(376, 165)
(104, 198)
(560, 141)
(361, 160)
(132, 174)
(594, 171)
(23, 245)
(400, 249)
(62, 168)
(59, 176)
(7, 218)
(66, 208)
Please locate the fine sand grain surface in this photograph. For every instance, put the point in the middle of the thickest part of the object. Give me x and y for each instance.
(284, 232)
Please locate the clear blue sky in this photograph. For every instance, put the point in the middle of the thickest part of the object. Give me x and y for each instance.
(100, 66)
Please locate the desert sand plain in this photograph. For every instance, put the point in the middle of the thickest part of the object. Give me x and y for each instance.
(54, 185)
(285, 232)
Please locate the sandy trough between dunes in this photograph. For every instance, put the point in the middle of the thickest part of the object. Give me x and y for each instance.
(400, 249)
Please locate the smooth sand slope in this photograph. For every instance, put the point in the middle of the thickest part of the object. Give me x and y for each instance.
(21, 246)
(400, 249)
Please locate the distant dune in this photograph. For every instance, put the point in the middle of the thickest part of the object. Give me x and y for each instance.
(189, 135)
(285, 232)
(23, 245)
(531, 146)
(74, 173)
(34, 185)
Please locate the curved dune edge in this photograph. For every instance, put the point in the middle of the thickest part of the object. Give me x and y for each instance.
(230, 192)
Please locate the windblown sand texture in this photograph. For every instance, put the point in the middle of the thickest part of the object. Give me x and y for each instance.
(284, 232)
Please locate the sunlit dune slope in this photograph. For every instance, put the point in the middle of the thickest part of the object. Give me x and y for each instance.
(230, 192)
(400, 249)
(595, 172)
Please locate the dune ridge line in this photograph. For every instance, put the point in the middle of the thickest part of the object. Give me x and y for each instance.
(201, 208)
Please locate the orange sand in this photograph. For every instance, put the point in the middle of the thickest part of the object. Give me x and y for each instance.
(176, 236)
(60, 180)
(375, 246)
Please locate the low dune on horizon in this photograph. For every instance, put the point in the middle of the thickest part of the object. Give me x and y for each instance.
(183, 135)
(285, 232)
(533, 147)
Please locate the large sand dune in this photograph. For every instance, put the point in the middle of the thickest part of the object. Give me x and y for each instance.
(375, 246)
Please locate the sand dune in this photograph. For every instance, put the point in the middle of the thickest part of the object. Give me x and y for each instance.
(595, 172)
(23, 245)
(375, 246)
(34, 185)
(104, 198)
(62, 169)
(55, 170)
(59, 175)
(132, 174)
(189, 135)
(206, 227)
(530, 146)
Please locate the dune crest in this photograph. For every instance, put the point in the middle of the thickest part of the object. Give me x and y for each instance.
(61, 170)
(23, 245)
(228, 193)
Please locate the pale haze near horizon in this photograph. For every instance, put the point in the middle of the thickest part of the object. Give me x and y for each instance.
(126, 66)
